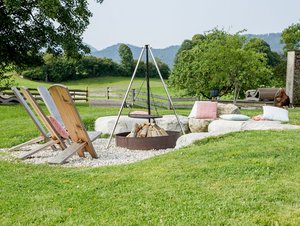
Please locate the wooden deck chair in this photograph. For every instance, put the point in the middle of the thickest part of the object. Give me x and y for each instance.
(43, 134)
(54, 135)
(81, 140)
(49, 102)
(47, 99)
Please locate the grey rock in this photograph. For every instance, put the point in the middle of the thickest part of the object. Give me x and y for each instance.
(199, 125)
(125, 124)
(170, 123)
(190, 138)
(227, 109)
(224, 126)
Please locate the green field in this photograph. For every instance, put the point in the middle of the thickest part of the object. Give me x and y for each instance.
(245, 178)
(102, 83)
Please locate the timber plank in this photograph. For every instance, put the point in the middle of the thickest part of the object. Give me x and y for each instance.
(67, 153)
(41, 147)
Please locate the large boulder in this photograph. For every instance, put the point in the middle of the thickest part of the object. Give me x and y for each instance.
(125, 123)
(267, 125)
(190, 138)
(199, 125)
(227, 109)
(170, 123)
(224, 126)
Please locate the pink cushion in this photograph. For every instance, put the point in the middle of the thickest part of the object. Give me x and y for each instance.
(58, 127)
(206, 110)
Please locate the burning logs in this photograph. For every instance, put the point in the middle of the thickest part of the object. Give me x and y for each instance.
(147, 130)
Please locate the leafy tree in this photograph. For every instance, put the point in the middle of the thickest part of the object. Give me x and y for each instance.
(291, 37)
(261, 46)
(186, 45)
(219, 61)
(126, 56)
(276, 62)
(27, 27)
(57, 69)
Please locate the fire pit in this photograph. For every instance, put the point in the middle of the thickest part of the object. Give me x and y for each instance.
(147, 136)
(147, 143)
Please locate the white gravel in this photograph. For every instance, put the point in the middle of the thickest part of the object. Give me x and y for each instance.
(112, 156)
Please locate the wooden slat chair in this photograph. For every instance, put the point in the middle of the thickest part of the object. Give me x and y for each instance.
(81, 140)
(43, 134)
(51, 138)
(49, 102)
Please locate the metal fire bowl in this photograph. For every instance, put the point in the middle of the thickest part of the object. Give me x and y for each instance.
(147, 143)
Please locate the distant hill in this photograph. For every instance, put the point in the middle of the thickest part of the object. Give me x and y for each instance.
(167, 55)
(92, 48)
(273, 39)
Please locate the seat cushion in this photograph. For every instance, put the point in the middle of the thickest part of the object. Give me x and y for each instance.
(234, 117)
(275, 113)
(206, 110)
(58, 127)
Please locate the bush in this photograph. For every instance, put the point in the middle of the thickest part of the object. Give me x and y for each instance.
(61, 69)
(34, 74)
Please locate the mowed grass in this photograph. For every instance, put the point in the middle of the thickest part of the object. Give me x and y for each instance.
(241, 178)
(17, 127)
(102, 83)
(246, 178)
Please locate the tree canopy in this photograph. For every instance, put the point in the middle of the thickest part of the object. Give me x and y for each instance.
(127, 61)
(218, 60)
(31, 27)
(291, 37)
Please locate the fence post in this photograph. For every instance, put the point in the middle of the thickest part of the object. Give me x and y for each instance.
(87, 94)
(133, 96)
(169, 105)
(107, 93)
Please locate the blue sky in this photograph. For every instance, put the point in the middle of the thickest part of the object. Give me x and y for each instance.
(162, 23)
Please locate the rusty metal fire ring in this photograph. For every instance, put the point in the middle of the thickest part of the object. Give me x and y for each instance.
(147, 143)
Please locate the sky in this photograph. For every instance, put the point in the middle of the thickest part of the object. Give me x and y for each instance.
(162, 23)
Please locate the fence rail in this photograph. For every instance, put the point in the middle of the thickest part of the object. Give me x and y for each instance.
(77, 94)
(112, 97)
(139, 98)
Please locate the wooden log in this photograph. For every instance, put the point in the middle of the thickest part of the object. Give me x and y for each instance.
(161, 130)
(150, 131)
(134, 130)
(144, 131)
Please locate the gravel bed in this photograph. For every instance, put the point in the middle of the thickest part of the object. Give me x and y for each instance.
(112, 156)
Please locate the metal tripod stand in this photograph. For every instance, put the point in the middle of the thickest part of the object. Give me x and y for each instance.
(148, 50)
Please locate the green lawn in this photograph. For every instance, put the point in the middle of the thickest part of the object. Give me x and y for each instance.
(241, 178)
(102, 83)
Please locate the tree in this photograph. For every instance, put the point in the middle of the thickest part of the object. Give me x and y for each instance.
(261, 46)
(219, 61)
(29, 27)
(126, 56)
(186, 45)
(276, 62)
(291, 37)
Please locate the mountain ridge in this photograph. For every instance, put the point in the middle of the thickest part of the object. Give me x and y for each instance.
(167, 54)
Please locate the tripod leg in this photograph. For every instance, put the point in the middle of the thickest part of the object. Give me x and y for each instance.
(165, 87)
(125, 97)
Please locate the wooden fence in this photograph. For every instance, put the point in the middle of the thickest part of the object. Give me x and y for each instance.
(113, 97)
(77, 94)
